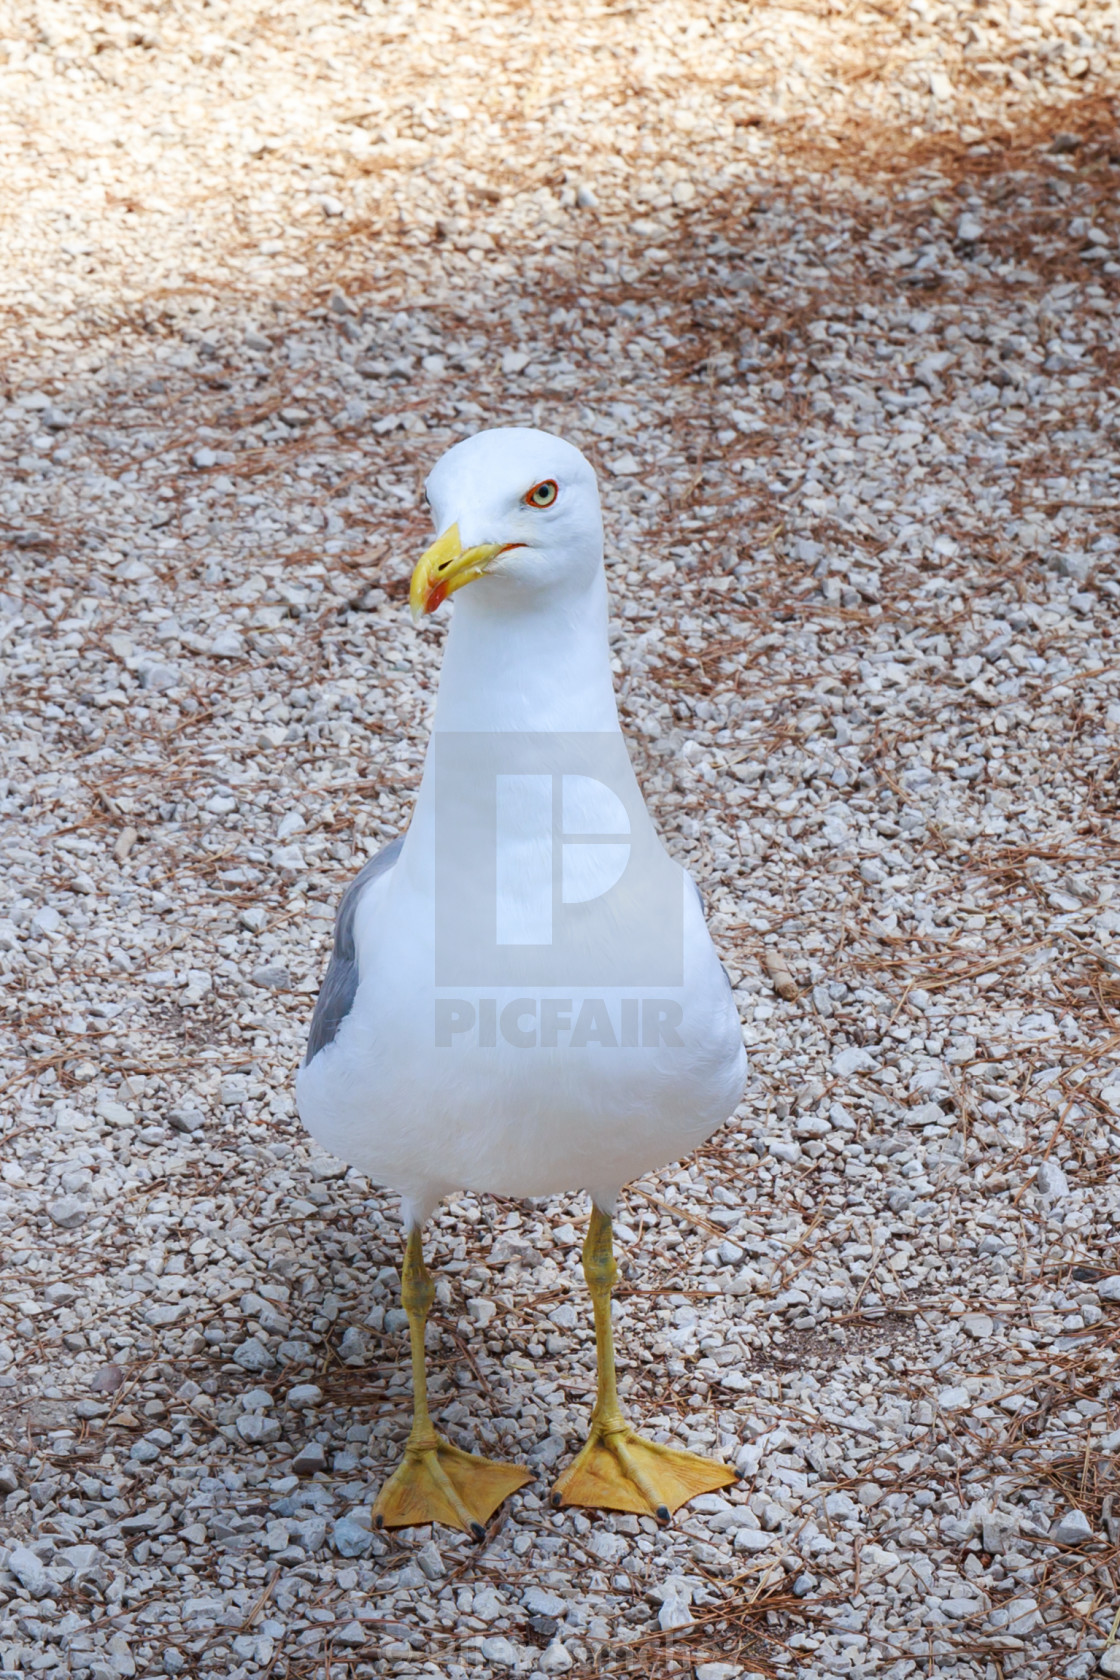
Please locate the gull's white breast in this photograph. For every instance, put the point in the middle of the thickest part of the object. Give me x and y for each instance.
(426, 1104)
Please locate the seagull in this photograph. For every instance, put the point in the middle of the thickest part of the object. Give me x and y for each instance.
(523, 998)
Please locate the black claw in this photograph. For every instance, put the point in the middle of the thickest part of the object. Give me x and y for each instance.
(478, 1531)
(664, 1514)
(379, 1521)
(556, 1501)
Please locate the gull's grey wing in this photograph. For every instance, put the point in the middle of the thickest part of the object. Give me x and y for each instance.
(340, 982)
(704, 913)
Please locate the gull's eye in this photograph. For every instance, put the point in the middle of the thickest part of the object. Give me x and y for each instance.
(542, 495)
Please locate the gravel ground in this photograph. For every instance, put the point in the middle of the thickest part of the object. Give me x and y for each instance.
(829, 294)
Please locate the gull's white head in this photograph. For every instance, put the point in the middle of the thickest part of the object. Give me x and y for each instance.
(516, 508)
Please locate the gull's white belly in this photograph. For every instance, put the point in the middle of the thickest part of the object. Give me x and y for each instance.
(431, 1091)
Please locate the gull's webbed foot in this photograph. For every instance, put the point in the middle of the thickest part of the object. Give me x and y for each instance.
(438, 1483)
(619, 1471)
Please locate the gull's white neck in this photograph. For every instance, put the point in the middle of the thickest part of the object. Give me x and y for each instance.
(509, 667)
(518, 664)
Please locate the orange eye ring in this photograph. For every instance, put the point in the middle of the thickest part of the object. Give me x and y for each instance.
(542, 495)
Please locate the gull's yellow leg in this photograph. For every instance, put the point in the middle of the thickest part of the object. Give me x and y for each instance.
(617, 1470)
(436, 1482)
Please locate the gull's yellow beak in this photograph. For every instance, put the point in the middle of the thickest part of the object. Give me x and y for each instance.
(446, 567)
